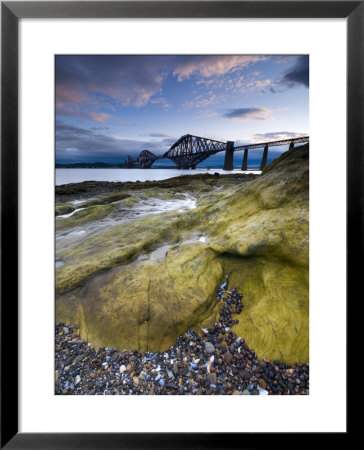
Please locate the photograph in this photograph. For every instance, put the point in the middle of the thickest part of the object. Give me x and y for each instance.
(181, 224)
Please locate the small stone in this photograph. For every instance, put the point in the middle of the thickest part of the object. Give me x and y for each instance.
(262, 383)
(175, 369)
(66, 330)
(236, 392)
(77, 380)
(262, 365)
(122, 369)
(245, 392)
(212, 378)
(228, 357)
(245, 374)
(128, 367)
(57, 375)
(172, 385)
(79, 358)
(209, 348)
(136, 381)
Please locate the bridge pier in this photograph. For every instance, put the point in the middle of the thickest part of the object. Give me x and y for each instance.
(291, 145)
(245, 160)
(264, 158)
(229, 156)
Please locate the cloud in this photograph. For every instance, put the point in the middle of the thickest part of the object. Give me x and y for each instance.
(75, 144)
(99, 117)
(259, 84)
(160, 101)
(155, 135)
(65, 129)
(214, 65)
(248, 114)
(93, 88)
(92, 83)
(284, 58)
(99, 128)
(95, 116)
(202, 101)
(276, 136)
(299, 73)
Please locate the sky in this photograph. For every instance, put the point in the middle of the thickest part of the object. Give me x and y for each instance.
(110, 106)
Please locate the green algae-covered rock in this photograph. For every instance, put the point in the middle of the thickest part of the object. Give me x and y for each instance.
(146, 304)
(274, 320)
(141, 282)
(264, 229)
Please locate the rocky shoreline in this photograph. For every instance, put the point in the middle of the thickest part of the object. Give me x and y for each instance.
(213, 362)
(138, 264)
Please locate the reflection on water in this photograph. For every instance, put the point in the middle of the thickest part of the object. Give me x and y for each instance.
(159, 254)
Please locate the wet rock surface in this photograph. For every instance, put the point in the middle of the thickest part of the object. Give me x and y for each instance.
(230, 367)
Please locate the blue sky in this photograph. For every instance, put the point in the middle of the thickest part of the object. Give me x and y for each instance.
(110, 106)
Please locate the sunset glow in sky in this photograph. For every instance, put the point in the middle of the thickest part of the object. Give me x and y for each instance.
(108, 107)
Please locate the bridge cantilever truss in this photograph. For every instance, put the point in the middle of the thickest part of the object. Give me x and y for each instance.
(147, 158)
(130, 162)
(190, 150)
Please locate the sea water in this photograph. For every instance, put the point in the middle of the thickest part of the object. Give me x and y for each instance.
(65, 176)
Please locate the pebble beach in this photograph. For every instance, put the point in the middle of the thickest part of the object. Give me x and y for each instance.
(212, 361)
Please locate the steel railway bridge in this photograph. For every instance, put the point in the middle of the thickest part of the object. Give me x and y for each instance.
(190, 150)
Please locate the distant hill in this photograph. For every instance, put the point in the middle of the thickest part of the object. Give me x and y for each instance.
(94, 165)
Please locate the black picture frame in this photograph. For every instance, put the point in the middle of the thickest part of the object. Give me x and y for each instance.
(11, 12)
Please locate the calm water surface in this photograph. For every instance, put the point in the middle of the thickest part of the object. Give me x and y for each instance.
(65, 176)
